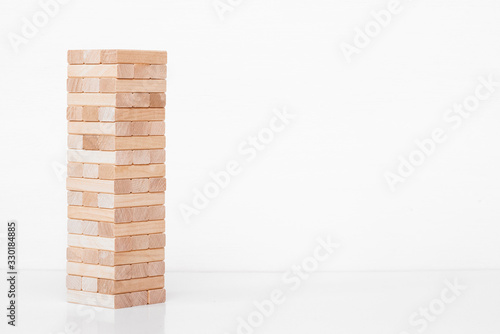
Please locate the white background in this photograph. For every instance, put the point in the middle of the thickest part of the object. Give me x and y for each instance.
(323, 175)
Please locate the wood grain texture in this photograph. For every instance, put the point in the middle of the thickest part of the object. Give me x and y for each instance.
(132, 229)
(89, 284)
(139, 270)
(130, 200)
(110, 172)
(157, 240)
(110, 114)
(111, 85)
(109, 258)
(90, 256)
(156, 296)
(112, 287)
(156, 268)
(99, 271)
(74, 254)
(85, 241)
(75, 226)
(73, 282)
(99, 300)
(122, 157)
(119, 71)
(133, 57)
(75, 56)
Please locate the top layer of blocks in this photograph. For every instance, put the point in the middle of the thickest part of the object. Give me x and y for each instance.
(76, 57)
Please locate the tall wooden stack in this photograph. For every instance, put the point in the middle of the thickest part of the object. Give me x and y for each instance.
(116, 177)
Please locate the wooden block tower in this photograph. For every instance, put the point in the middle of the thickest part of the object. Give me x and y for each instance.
(116, 177)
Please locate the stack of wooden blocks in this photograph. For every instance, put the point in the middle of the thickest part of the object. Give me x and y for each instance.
(116, 177)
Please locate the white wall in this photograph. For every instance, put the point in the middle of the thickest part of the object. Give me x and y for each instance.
(324, 174)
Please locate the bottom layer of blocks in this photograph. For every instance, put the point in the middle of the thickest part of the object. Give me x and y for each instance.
(117, 301)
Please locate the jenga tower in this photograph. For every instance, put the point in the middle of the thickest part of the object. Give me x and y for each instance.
(116, 177)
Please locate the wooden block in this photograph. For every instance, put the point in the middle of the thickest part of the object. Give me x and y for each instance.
(106, 201)
(110, 85)
(97, 271)
(74, 254)
(106, 114)
(157, 184)
(122, 186)
(123, 272)
(75, 226)
(139, 242)
(75, 169)
(157, 156)
(123, 129)
(133, 57)
(90, 227)
(156, 296)
(132, 229)
(74, 282)
(141, 157)
(99, 186)
(139, 100)
(111, 287)
(158, 71)
(92, 56)
(99, 300)
(91, 156)
(141, 128)
(86, 241)
(90, 113)
(139, 185)
(123, 244)
(123, 300)
(141, 86)
(140, 214)
(140, 143)
(97, 99)
(109, 258)
(106, 143)
(75, 57)
(74, 85)
(110, 114)
(142, 71)
(92, 128)
(106, 230)
(75, 141)
(123, 215)
(90, 199)
(156, 268)
(90, 85)
(139, 298)
(157, 128)
(157, 100)
(90, 171)
(139, 270)
(75, 198)
(156, 212)
(119, 244)
(90, 256)
(120, 71)
(74, 113)
(86, 213)
(90, 142)
(101, 157)
(125, 71)
(89, 284)
(111, 172)
(157, 240)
